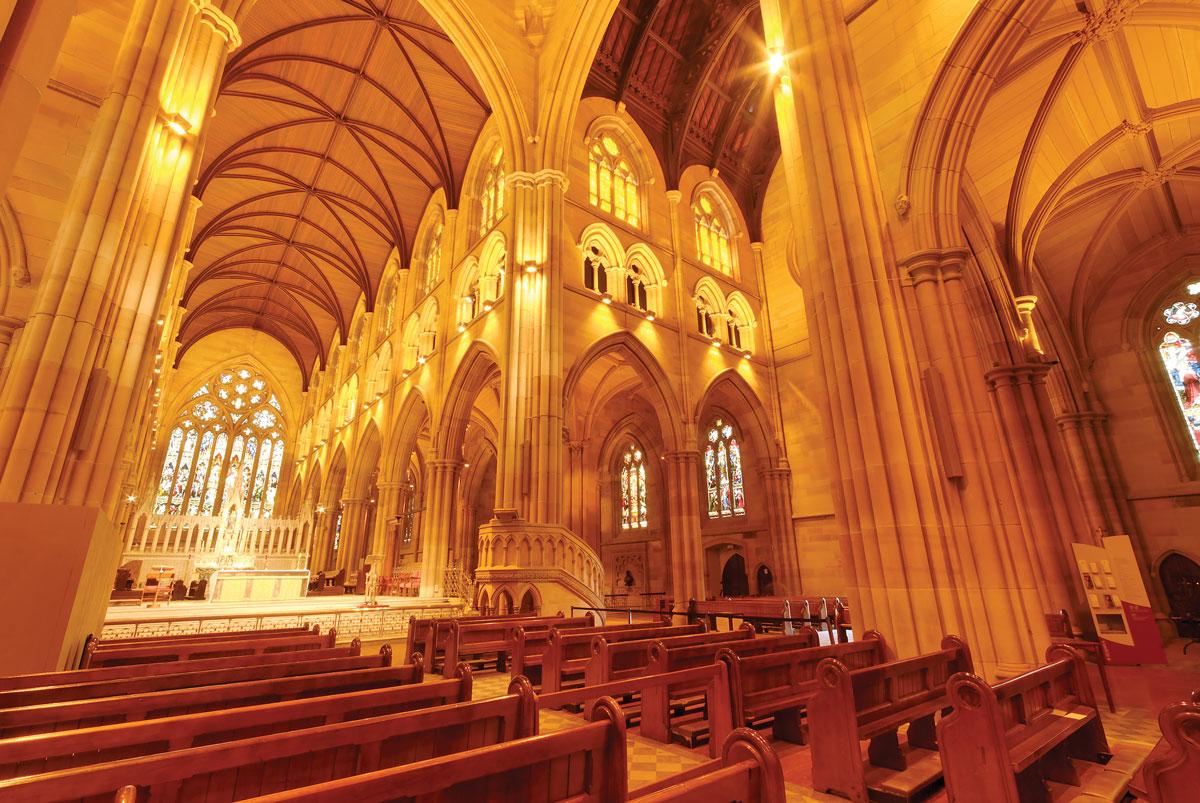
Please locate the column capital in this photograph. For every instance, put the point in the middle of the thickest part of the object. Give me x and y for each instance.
(674, 197)
(211, 13)
(524, 178)
(935, 264)
(775, 473)
(1080, 419)
(390, 486)
(682, 456)
(9, 325)
(1032, 373)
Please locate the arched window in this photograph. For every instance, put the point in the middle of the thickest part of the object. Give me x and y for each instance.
(594, 269)
(723, 471)
(635, 287)
(491, 192)
(231, 425)
(612, 182)
(713, 232)
(408, 508)
(633, 489)
(433, 256)
(387, 309)
(704, 320)
(1183, 371)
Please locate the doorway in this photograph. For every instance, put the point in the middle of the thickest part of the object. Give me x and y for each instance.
(1181, 581)
(734, 582)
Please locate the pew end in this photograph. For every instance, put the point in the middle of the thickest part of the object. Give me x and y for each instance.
(1173, 773)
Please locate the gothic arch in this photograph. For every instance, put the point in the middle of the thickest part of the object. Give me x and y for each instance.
(625, 345)
(478, 368)
(412, 418)
(729, 392)
(366, 461)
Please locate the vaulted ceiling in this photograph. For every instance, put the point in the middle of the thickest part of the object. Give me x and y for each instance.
(335, 123)
(691, 73)
(1087, 157)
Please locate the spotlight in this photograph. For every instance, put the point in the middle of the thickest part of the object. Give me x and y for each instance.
(606, 299)
(775, 61)
(531, 266)
(462, 327)
(649, 316)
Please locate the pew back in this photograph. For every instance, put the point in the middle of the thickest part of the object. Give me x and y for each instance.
(282, 761)
(615, 660)
(580, 765)
(50, 752)
(665, 658)
(748, 771)
(438, 633)
(109, 710)
(171, 667)
(484, 638)
(184, 678)
(191, 650)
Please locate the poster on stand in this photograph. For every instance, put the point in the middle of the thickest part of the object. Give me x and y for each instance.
(1117, 600)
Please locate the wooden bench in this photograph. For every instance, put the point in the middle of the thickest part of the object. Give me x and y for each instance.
(50, 752)
(438, 635)
(419, 629)
(665, 658)
(748, 771)
(554, 655)
(185, 678)
(279, 761)
(299, 630)
(1020, 738)
(613, 659)
(172, 667)
(191, 650)
(587, 763)
(871, 704)
(1172, 772)
(109, 710)
(779, 685)
(478, 639)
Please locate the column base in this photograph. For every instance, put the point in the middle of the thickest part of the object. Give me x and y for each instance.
(60, 565)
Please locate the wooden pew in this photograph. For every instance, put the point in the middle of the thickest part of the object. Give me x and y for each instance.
(1172, 772)
(664, 658)
(185, 678)
(781, 684)
(540, 655)
(438, 635)
(191, 650)
(172, 667)
(487, 638)
(279, 761)
(587, 763)
(50, 752)
(871, 704)
(108, 710)
(299, 630)
(568, 652)
(655, 692)
(419, 629)
(748, 771)
(614, 659)
(1020, 738)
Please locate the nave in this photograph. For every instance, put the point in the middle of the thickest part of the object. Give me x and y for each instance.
(558, 708)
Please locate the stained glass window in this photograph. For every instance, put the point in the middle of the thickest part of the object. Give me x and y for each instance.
(723, 472)
(1183, 370)
(713, 233)
(433, 256)
(612, 183)
(1181, 313)
(201, 464)
(408, 511)
(633, 489)
(491, 192)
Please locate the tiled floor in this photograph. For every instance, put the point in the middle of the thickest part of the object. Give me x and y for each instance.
(1139, 692)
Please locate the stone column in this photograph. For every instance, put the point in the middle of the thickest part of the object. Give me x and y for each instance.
(322, 533)
(35, 30)
(8, 329)
(1007, 589)
(1076, 431)
(354, 520)
(904, 572)
(685, 554)
(85, 352)
(777, 483)
(440, 491)
(387, 506)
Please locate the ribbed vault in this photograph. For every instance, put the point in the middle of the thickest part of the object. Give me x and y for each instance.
(334, 125)
(692, 73)
(1089, 148)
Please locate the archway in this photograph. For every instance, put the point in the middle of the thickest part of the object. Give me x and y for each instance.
(529, 603)
(734, 582)
(1180, 576)
(764, 581)
(504, 602)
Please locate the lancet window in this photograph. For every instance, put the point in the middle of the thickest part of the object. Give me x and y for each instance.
(633, 489)
(723, 471)
(595, 277)
(227, 443)
(1182, 365)
(491, 192)
(713, 231)
(612, 182)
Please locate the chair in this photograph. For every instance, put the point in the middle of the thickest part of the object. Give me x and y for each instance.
(1061, 632)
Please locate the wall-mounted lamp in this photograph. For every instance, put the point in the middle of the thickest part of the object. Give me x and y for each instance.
(487, 307)
(605, 298)
(716, 342)
(531, 266)
(131, 499)
(179, 124)
(746, 355)
(421, 360)
(649, 316)
(462, 327)
(320, 509)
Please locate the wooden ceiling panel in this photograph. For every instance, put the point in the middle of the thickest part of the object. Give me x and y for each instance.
(1167, 61)
(335, 123)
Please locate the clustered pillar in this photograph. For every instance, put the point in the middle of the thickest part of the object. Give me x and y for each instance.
(441, 487)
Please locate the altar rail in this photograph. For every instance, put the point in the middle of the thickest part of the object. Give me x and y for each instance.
(363, 623)
(186, 535)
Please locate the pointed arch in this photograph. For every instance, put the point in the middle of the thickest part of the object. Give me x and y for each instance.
(366, 462)
(729, 393)
(478, 368)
